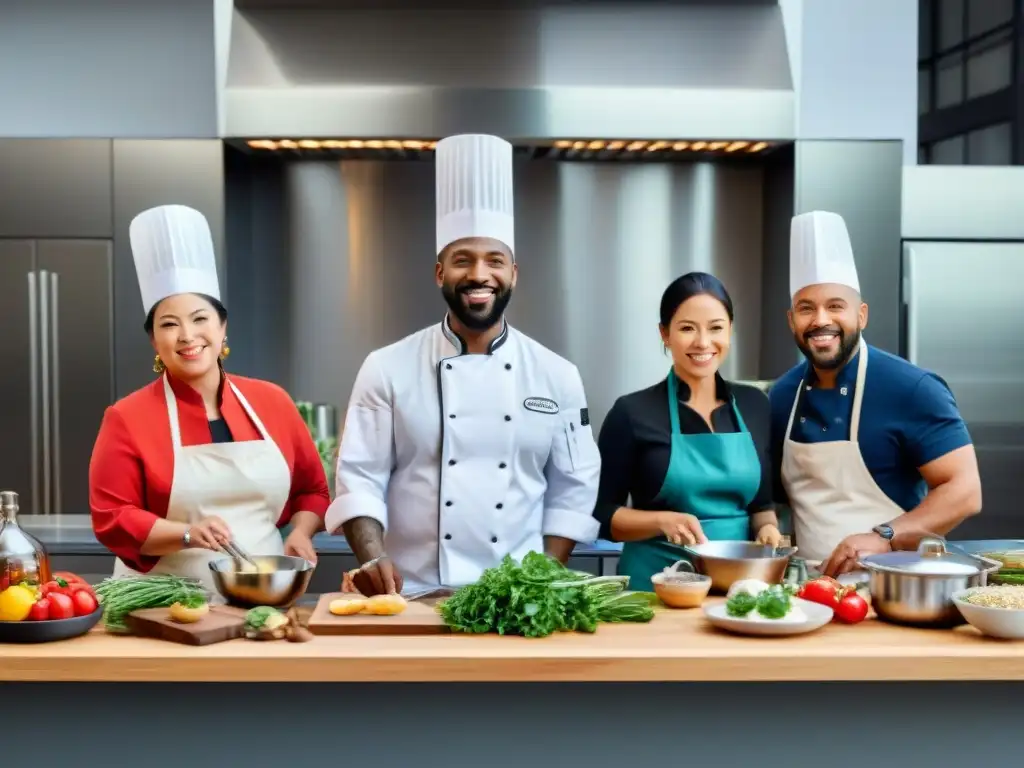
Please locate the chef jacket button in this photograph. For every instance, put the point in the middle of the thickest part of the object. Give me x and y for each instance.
(447, 536)
(451, 462)
(498, 505)
(451, 415)
(502, 465)
(824, 429)
(508, 366)
(842, 390)
(803, 419)
(494, 539)
(508, 418)
(447, 503)
(448, 366)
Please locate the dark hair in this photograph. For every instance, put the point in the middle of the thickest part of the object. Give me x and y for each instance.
(686, 287)
(222, 313)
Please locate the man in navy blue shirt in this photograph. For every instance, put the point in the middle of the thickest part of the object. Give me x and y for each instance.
(870, 451)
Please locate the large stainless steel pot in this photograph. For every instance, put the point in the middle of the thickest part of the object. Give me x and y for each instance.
(916, 588)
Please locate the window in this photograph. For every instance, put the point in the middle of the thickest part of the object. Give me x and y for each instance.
(949, 83)
(951, 23)
(948, 151)
(991, 146)
(987, 15)
(990, 65)
(924, 92)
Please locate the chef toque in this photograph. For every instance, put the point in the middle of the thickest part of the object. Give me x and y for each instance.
(820, 252)
(474, 189)
(173, 251)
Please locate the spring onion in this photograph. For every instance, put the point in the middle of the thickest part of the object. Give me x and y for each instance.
(121, 595)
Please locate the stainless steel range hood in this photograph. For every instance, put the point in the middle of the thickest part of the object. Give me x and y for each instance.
(602, 70)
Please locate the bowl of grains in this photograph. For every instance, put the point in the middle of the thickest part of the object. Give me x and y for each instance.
(996, 611)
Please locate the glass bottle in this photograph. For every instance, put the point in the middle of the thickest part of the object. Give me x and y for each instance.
(23, 558)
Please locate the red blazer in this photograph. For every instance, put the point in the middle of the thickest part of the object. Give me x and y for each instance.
(132, 463)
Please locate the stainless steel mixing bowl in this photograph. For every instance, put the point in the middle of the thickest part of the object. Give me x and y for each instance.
(279, 582)
(726, 562)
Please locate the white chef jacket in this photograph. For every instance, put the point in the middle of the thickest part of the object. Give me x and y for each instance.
(466, 458)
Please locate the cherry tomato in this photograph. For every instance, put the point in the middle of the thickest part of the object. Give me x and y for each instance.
(852, 608)
(824, 591)
(84, 602)
(61, 606)
(40, 610)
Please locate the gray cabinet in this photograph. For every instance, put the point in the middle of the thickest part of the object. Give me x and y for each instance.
(57, 356)
(56, 188)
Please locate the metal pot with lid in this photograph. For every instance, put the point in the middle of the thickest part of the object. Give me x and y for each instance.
(917, 588)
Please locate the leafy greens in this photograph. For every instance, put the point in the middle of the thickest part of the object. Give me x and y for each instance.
(773, 603)
(539, 597)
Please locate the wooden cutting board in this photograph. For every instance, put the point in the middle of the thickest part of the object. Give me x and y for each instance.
(223, 622)
(419, 618)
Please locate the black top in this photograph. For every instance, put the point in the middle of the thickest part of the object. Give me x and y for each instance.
(219, 431)
(635, 443)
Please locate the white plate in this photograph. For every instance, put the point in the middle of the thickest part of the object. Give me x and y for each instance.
(817, 617)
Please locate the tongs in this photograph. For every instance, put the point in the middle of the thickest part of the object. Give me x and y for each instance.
(238, 553)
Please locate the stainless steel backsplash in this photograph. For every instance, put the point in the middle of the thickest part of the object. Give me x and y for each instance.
(596, 245)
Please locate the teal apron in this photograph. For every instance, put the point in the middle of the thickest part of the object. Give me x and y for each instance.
(712, 476)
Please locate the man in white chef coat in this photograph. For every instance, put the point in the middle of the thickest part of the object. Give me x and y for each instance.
(466, 441)
(871, 452)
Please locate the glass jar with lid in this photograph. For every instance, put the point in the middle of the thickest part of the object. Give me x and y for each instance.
(23, 558)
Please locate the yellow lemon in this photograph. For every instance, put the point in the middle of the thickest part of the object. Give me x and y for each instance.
(15, 603)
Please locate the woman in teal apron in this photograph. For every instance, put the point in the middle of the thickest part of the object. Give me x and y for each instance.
(682, 450)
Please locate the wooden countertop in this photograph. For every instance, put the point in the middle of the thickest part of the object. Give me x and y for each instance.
(676, 646)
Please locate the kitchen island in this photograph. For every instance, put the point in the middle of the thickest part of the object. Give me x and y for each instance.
(630, 694)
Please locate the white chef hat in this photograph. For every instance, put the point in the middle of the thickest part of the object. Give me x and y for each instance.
(820, 252)
(173, 251)
(474, 189)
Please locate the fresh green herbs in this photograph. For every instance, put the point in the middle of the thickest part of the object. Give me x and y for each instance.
(539, 597)
(120, 596)
(772, 603)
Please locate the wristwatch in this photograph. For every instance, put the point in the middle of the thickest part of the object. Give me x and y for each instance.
(885, 531)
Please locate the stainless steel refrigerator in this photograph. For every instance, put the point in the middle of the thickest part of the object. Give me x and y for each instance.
(963, 320)
(56, 352)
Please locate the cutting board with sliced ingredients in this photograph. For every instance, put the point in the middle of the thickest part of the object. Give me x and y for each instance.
(418, 617)
(223, 622)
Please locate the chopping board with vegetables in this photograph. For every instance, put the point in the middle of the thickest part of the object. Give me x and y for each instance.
(217, 624)
(347, 613)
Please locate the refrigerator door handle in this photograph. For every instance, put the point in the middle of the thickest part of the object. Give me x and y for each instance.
(55, 393)
(44, 356)
(33, 373)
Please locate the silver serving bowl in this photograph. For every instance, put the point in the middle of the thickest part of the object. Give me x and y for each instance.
(279, 581)
(726, 562)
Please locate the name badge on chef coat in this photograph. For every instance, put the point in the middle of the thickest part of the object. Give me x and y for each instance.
(540, 405)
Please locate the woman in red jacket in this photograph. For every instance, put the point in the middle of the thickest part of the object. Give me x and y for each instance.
(198, 457)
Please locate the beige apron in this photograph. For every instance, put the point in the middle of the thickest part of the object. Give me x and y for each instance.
(830, 490)
(247, 484)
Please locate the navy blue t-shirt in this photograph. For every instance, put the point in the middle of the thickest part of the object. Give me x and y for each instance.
(908, 418)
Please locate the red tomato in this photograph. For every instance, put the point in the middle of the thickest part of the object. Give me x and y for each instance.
(84, 602)
(40, 610)
(852, 609)
(69, 577)
(61, 606)
(825, 591)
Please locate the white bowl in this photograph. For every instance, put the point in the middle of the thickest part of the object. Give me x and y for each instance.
(1004, 623)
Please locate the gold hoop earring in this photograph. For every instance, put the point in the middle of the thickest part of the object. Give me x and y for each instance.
(158, 365)
(225, 350)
